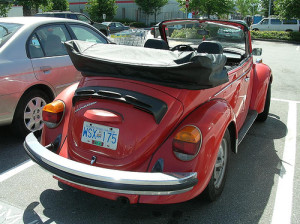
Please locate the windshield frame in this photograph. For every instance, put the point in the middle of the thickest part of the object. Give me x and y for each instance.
(239, 25)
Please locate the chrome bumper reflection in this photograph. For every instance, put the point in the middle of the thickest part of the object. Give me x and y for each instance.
(141, 183)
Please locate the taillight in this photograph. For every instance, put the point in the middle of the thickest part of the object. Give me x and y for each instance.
(187, 143)
(53, 113)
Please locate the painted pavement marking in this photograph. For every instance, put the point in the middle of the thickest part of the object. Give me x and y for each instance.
(15, 170)
(282, 211)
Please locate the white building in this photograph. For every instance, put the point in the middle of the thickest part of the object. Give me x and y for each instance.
(128, 9)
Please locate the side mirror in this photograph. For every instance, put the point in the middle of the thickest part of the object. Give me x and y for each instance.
(257, 51)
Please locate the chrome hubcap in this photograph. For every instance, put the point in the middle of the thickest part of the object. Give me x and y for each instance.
(220, 165)
(33, 114)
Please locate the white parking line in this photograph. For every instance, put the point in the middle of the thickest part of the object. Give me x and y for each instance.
(17, 169)
(287, 101)
(284, 196)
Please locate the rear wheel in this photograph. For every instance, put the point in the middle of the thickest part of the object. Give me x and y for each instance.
(264, 115)
(217, 180)
(256, 29)
(28, 115)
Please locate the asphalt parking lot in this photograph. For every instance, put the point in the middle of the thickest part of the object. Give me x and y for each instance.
(263, 184)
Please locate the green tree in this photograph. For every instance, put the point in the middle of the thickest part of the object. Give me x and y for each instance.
(4, 8)
(288, 8)
(265, 7)
(31, 6)
(247, 7)
(62, 5)
(209, 7)
(151, 6)
(96, 8)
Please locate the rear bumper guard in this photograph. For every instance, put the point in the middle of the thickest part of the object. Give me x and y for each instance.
(127, 182)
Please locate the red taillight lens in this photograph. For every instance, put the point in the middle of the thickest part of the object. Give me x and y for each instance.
(53, 113)
(187, 143)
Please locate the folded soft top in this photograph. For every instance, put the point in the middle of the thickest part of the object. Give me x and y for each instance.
(185, 70)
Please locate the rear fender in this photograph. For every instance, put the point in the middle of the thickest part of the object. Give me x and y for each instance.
(49, 134)
(261, 79)
(212, 118)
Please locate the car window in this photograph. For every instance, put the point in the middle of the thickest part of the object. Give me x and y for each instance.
(275, 21)
(290, 21)
(119, 25)
(83, 18)
(60, 15)
(86, 34)
(34, 47)
(112, 25)
(7, 30)
(265, 22)
(52, 38)
(72, 16)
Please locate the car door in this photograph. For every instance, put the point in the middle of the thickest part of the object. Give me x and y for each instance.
(276, 25)
(49, 58)
(264, 25)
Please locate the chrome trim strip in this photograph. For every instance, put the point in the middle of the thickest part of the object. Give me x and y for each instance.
(108, 179)
(230, 84)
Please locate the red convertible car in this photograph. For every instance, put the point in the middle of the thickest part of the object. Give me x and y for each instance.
(155, 124)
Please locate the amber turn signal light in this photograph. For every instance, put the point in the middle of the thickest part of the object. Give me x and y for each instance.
(53, 113)
(187, 143)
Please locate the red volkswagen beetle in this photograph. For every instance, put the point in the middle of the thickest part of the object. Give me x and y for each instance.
(155, 124)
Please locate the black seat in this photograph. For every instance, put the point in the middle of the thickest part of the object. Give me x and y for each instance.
(156, 44)
(210, 47)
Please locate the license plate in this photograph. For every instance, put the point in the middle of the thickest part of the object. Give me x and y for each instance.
(100, 135)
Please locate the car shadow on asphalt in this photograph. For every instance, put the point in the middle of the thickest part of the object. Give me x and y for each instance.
(248, 188)
(12, 152)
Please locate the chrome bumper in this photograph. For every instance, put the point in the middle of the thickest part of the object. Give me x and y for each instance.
(140, 183)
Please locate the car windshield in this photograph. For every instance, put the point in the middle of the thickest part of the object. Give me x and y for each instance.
(7, 30)
(193, 32)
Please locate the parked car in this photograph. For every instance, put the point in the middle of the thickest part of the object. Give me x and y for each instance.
(35, 66)
(78, 16)
(148, 125)
(274, 24)
(115, 27)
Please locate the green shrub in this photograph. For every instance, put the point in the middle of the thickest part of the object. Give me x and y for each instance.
(189, 33)
(276, 35)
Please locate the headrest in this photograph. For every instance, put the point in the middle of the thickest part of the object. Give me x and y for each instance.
(210, 47)
(156, 44)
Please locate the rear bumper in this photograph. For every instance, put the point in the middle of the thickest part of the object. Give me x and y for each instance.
(127, 182)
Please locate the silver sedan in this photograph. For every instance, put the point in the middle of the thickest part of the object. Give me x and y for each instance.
(35, 66)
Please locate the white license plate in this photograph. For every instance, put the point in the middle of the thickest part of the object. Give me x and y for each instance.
(100, 135)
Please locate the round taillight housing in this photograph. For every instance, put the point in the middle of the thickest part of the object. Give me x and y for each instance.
(53, 113)
(187, 142)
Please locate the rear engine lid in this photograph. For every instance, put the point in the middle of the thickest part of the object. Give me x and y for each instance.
(118, 127)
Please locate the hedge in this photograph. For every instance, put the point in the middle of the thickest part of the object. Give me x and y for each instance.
(276, 35)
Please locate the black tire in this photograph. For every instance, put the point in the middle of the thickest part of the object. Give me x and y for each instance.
(217, 181)
(21, 124)
(264, 115)
(256, 29)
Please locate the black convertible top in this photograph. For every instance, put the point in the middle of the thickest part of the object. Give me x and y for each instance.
(184, 70)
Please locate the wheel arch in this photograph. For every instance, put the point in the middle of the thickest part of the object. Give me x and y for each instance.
(42, 87)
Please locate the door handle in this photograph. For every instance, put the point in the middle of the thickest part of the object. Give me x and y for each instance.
(45, 68)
